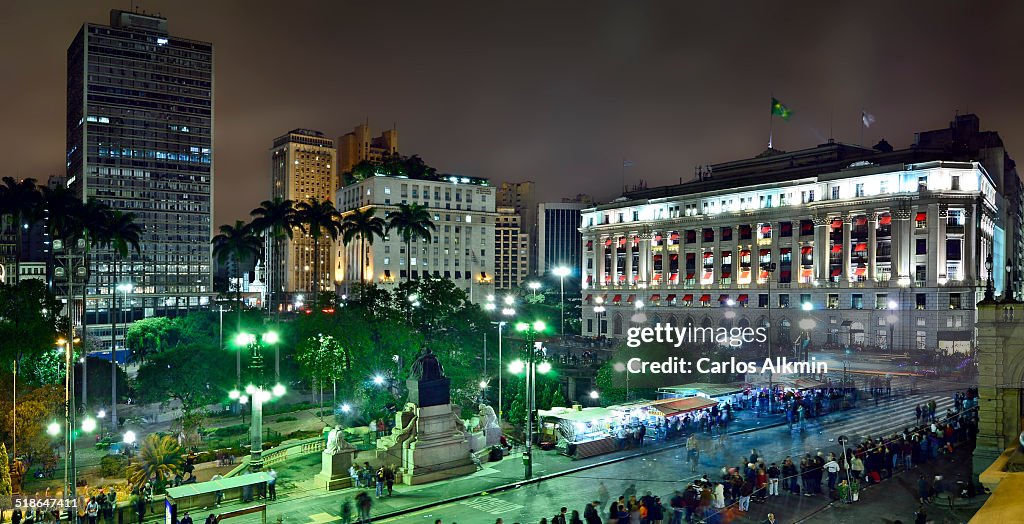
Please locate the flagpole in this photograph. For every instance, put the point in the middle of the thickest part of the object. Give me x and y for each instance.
(863, 115)
(771, 121)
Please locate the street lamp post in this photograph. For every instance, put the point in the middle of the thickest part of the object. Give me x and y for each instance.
(534, 286)
(531, 369)
(561, 272)
(599, 312)
(256, 392)
(124, 288)
(506, 311)
(770, 269)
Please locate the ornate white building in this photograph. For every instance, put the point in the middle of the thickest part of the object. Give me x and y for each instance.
(838, 244)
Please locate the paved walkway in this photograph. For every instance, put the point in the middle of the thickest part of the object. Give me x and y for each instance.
(300, 501)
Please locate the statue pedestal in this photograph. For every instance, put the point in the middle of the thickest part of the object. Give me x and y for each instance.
(334, 470)
(439, 451)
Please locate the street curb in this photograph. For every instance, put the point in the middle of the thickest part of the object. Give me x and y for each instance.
(536, 480)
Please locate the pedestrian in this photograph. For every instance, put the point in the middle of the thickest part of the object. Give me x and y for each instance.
(770, 519)
(140, 507)
(363, 505)
(773, 480)
(832, 468)
(389, 479)
(353, 473)
(574, 518)
(346, 512)
(211, 519)
(92, 510)
(379, 477)
(272, 485)
(920, 517)
(186, 519)
(602, 494)
(560, 518)
(591, 514)
(746, 490)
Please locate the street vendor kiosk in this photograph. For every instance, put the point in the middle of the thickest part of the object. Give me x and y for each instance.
(580, 432)
(204, 494)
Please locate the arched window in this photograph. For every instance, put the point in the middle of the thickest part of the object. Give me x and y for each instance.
(617, 324)
(784, 336)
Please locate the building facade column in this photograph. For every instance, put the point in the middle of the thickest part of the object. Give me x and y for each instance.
(601, 252)
(630, 243)
(970, 254)
(821, 254)
(873, 245)
(933, 270)
(645, 253)
(901, 246)
(847, 249)
(940, 246)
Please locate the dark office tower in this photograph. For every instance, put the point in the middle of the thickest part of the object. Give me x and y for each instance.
(140, 139)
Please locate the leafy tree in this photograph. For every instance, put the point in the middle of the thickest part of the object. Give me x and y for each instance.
(318, 219)
(99, 381)
(362, 224)
(160, 457)
(195, 374)
(37, 408)
(149, 336)
(28, 320)
(274, 220)
(411, 221)
(6, 488)
(236, 243)
(321, 359)
(609, 383)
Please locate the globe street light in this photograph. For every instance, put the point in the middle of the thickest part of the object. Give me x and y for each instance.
(257, 392)
(534, 286)
(531, 369)
(598, 312)
(561, 272)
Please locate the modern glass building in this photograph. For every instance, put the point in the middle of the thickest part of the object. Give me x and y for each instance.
(140, 139)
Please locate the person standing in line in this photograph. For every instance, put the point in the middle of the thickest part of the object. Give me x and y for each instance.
(591, 514)
(773, 480)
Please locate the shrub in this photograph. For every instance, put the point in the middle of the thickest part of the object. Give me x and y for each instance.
(286, 418)
(113, 465)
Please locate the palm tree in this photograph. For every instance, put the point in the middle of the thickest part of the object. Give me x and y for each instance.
(322, 219)
(363, 224)
(411, 221)
(236, 243)
(160, 457)
(20, 201)
(121, 235)
(274, 220)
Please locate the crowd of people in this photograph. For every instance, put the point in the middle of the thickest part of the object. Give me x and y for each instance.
(838, 475)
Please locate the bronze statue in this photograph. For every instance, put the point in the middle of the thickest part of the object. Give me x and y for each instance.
(426, 367)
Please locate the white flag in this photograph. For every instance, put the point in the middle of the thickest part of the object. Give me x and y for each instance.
(867, 118)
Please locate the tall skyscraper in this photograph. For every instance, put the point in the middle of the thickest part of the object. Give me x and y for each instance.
(358, 146)
(558, 235)
(303, 168)
(140, 139)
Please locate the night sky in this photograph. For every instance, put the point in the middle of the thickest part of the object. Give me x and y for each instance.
(556, 92)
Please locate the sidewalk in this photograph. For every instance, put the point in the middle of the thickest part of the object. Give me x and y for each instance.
(299, 500)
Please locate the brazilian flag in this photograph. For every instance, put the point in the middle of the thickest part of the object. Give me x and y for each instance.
(780, 110)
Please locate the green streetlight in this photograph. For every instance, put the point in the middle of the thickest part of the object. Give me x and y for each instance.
(530, 330)
(256, 391)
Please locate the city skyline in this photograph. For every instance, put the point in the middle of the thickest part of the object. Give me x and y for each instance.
(588, 90)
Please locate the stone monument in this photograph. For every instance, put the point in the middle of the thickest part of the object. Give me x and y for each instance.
(335, 459)
(435, 445)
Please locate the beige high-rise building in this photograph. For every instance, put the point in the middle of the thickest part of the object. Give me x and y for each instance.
(358, 146)
(303, 168)
(522, 197)
(511, 249)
